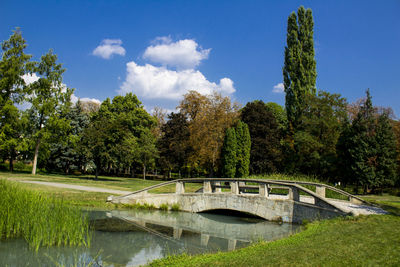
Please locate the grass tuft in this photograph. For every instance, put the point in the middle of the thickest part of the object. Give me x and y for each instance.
(40, 220)
(175, 207)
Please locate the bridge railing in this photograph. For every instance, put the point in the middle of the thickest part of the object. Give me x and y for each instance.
(260, 187)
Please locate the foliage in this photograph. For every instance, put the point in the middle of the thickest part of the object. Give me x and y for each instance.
(49, 98)
(67, 154)
(164, 207)
(396, 130)
(13, 65)
(243, 149)
(175, 207)
(146, 150)
(41, 221)
(119, 135)
(279, 113)
(228, 154)
(386, 152)
(316, 139)
(266, 132)
(11, 132)
(369, 148)
(174, 146)
(209, 117)
(299, 71)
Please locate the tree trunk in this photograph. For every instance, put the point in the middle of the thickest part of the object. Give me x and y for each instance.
(144, 172)
(35, 157)
(12, 156)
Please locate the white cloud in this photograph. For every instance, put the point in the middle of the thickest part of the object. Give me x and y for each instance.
(93, 100)
(153, 82)
(279, 88)
(183, 54)
(108, 47)
(30, 78)
(75, 99)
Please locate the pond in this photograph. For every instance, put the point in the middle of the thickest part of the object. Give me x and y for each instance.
(135, 237)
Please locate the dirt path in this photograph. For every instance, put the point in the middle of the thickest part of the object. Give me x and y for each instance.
(80, 187)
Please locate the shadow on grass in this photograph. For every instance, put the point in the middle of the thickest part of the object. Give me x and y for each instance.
(393, 207)
(390, 208)
(91, 178)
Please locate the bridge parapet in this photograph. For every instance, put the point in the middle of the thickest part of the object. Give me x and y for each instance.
(248, 195)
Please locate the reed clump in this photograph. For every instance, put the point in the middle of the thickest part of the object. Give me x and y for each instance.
(40, 220)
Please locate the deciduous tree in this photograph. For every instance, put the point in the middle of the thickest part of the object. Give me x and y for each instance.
(174, 145)
(209, 117)
(48, 98)
(299, 70)
(265, 132)
(13, 65)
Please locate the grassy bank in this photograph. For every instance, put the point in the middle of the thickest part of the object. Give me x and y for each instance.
(292, 177)
(368, 240)
(40, 220)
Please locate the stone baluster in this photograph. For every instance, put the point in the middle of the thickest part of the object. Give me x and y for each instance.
(204, 240)
(207, 187)
(234, 188)
(263, 190)
(217, 189)
(231, 244)
(294, 194)
(180, 188)
(320, 191)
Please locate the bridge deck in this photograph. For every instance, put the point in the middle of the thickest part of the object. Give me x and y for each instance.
(348, 207)
(296, 203)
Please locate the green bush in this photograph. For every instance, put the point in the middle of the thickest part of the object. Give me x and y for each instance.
(175, 207)
(163, 207)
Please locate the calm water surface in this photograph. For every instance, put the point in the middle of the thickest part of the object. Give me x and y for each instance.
(132, 238)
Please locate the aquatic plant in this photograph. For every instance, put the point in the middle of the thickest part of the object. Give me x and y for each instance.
(163, 207)
(175, 207)
(40, 220)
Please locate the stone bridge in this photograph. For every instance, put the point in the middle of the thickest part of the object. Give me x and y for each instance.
(273, 200)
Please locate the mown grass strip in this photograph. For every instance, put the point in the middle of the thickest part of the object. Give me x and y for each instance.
(351, 241)
(40, 220)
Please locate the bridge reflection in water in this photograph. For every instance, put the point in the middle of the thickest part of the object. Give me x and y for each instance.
(203, 231)
(131, 238)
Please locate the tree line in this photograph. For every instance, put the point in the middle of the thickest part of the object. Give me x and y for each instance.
(315, 133)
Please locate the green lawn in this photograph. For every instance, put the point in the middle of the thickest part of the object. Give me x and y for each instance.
(88, 199)
(365, 240)
(352, 241)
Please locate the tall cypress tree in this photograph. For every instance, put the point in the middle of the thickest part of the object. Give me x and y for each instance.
(229, 154)
(299, 70)
(243, 149)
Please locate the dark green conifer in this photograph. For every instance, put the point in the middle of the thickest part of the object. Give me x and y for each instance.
(229, 149)
(243, 149)
(386, 152)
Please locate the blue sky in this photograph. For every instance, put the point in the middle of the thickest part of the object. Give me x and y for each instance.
(160, 48)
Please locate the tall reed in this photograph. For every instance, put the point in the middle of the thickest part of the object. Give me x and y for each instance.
(40, 220)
